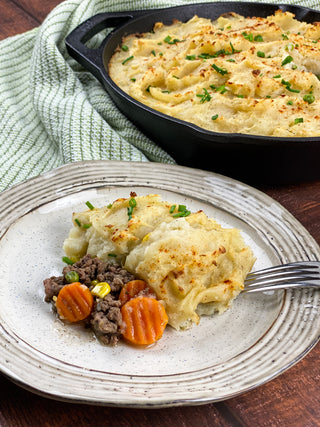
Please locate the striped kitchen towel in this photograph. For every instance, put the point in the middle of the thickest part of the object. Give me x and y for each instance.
(52, 111)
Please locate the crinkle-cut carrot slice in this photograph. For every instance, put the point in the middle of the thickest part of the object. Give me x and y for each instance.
(74, 302)
(133, 289)
(143, 320)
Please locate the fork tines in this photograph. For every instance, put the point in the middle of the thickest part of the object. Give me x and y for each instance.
(297, 274)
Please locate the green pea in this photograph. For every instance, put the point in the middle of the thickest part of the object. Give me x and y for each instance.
(71, 276)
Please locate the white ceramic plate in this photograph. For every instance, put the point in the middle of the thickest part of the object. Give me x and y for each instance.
(258, 338)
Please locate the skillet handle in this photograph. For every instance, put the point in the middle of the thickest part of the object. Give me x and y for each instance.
(91, 59)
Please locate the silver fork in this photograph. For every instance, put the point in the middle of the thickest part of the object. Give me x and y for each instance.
(293, 275)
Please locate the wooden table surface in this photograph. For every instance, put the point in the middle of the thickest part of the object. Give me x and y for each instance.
(292, 399)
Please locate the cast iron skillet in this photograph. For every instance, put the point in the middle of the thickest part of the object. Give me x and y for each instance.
(253, 159)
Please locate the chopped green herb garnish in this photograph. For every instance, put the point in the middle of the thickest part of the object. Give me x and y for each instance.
(290, 102)
(287, 60)
(204, 97)
(132, 205)
(90, 206)
(285, 37)
(309, 98)
(126, 60)
(86, 226)
(258, 38)
(166, 91)
(153, 53)
(112, 255)
(182, 212)
(172, 209)
(277, 76)
(205, 55)
(222, 89)
(176, 77)
(248, 36)
(133, 80)
(298, 120)
(231, 60)
(109, 206)
(222, 71)
(124, 47)
(214, 117)
(77, 222)
(169, 40)
(268, 96)
(288, 86)
(240, 96)
(148, 88)
(261, 54)
(233, 50)
(191, 57)
(67, 260)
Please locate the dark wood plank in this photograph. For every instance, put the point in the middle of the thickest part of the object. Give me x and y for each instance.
(303, 201)
(14, 20)
(38, 9)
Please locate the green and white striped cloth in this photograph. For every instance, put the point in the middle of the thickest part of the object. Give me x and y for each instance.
(54, 112)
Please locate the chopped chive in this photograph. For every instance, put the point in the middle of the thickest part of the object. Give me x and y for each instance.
(112, 255)
(133, 80)
(169, 40)
(214, 117)
(288, 86)
(258, 38)
(205, 55)
(126, 60)
(153, 53)
(298, 120)
(132, 202)
(204, 97)
(90, 206)
(290, 102)
(277, 76)
(124, 47)
(67, 260)
(287, 60)
(261, 54)
(222, 71)
(191, 57)
(77, 222)
(248, 36)
(233, 50)
(109, 206)
(176, 77)
(132, 205)
(86, 226)
(231, 60)
(172, 209)
(285, 37)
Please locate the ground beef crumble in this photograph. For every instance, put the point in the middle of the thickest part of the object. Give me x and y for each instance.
(105, 318)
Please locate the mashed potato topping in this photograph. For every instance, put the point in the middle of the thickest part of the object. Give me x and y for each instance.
(247, 75)
(194, 265)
